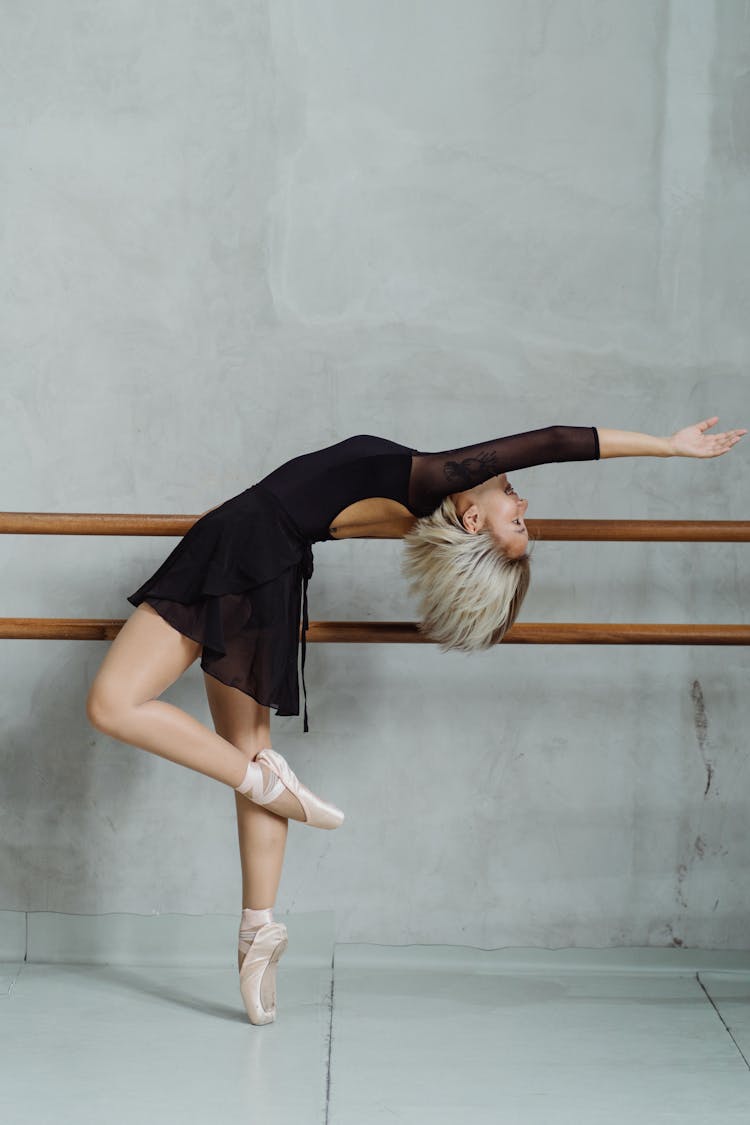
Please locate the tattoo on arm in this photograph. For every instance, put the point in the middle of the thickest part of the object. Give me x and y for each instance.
(463, 474)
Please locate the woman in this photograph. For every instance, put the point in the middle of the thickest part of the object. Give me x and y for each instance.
(230, 594)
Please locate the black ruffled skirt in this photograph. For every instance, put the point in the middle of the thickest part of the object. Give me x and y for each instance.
(236, 582)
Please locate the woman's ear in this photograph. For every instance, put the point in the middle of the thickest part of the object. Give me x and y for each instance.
(471, 519)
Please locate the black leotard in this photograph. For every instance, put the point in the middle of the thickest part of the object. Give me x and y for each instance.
(233, 581)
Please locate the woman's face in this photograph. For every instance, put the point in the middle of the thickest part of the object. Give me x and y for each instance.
(496, 504)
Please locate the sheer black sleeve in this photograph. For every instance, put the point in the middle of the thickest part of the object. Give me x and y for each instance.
(436, 475)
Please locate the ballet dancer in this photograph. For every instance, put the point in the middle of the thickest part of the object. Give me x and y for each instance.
(233, 589)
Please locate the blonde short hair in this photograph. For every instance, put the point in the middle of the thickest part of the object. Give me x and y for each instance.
(469, 589)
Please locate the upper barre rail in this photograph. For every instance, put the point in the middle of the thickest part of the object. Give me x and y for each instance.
(656, 531)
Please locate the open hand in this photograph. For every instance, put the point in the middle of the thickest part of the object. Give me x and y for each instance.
(693, 441)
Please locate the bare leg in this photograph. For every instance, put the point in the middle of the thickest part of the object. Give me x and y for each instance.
(262, 834)
(146, 656)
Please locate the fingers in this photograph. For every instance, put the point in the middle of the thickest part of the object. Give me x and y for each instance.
(730, 435)
(722, 443)
(709, 422)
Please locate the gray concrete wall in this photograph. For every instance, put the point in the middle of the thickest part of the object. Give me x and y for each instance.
(233, 232)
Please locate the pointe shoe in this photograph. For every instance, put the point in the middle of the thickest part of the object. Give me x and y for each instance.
(318, 813)
(258, 972)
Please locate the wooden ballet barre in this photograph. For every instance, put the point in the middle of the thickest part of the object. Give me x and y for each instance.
(656, 531)
(406, 632)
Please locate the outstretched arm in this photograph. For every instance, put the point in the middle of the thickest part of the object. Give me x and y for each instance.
(435, 475)
(693, 441)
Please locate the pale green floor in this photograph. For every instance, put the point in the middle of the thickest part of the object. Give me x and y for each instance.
(417, 1034)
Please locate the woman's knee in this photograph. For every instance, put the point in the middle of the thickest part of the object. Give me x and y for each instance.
(109, 701)
(104, 708)
(145, 658)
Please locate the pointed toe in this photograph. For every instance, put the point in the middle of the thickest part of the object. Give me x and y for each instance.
(258, 972)
(318, 813)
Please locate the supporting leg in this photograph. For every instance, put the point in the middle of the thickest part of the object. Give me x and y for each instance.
(261, 833)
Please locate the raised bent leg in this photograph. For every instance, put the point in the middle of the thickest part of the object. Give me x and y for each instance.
(146, 656)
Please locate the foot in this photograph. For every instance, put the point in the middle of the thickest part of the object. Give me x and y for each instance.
(317, 812)
(269, 781)
(267, 989)
(258, 971)
(286, 804)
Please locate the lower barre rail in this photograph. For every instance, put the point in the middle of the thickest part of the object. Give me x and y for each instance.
(407, 632)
